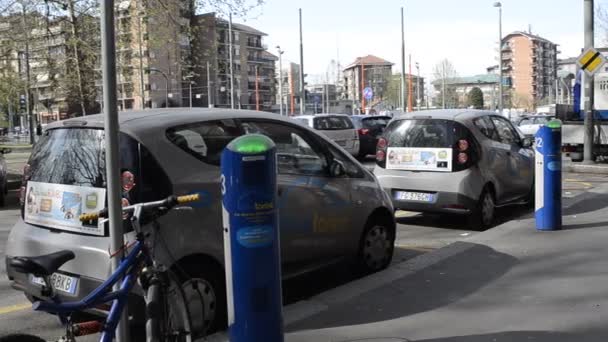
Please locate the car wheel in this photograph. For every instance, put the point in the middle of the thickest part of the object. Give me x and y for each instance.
(483, 215)
(376, 247)
(205, 291)
(3, 195)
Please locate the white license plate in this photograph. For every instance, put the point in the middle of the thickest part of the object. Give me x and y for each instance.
(414, 196)
(60, 282)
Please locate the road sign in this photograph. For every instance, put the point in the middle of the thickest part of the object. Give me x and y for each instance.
(368, 93)
(591, 61)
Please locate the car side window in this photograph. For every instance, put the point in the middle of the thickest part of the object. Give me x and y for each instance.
(486, 127)
(204, 140)
(525, 122)
(297, 152)
(506, 132)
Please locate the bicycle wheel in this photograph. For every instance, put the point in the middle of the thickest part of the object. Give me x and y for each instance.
(168, 319)
(21, 338)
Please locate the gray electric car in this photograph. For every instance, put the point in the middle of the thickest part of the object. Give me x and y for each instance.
(331, 208)
(455, 161)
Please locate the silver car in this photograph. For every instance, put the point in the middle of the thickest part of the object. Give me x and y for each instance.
(337, 127)
(331, 208)
(455, 161)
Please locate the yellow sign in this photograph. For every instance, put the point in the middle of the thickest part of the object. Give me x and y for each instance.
(591, 61)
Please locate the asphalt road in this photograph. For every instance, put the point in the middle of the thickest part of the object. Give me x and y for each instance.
(417, 234)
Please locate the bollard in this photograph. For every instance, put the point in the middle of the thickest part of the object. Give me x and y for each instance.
(548, 176)
(251, 240)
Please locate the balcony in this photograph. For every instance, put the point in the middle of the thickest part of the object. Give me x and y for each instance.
(253, 59)
(255, 45)
(507, 56)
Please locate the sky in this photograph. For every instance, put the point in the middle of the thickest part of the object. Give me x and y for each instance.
(463, 31)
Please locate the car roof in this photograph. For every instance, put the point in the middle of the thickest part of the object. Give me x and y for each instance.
(446, 114)
(317, 116)
(361, 116)
(140, 123)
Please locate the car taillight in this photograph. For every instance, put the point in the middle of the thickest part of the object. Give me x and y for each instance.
(380, 151)
(128, 180)
(380, 155)
(363, 131)
(462, 158)
(463, 145)
(381, 144)
(25, 176)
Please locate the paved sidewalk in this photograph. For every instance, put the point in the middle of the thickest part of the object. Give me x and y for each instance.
(510, 283)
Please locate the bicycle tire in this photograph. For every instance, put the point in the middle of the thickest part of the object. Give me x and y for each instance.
(21, 338)
(165, 306)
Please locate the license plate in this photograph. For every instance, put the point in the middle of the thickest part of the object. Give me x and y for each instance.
(414, 196)
(60, 282)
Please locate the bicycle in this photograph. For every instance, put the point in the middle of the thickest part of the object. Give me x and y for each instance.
(158, 283)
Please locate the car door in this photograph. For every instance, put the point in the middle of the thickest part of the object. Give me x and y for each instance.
(494, 156)
(312, 208)
(518, 172)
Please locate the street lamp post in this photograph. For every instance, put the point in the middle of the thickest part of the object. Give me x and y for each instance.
(280, 52)
(418, 86)
(500, 96)
(166, 85)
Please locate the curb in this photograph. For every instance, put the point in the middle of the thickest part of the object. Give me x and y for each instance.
(601, 169)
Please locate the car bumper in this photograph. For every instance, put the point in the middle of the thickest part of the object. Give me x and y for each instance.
(454, 192)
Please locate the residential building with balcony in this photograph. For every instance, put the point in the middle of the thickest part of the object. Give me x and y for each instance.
(249, 56)
(368, 71)
(529, 64)
(458, 89)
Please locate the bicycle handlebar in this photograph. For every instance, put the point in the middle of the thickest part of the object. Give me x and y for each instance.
(167, 203)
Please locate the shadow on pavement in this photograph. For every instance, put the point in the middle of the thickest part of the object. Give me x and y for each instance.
(446, 221)
(589, 202)
(506, 336)
(436, 286)
(12, 201)
(585, 225)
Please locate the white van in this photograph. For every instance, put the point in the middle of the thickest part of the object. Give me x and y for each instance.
(337, 127)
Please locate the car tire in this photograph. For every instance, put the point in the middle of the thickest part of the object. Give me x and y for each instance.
(207, 282)
(484, 213)
(376, 246)
(3, 192)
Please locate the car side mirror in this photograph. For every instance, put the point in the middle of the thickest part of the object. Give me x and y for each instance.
(336, 169)
(527, 142)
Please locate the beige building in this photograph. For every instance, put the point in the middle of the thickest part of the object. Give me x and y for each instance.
(529, 69)
(250, 60)
(369, 71)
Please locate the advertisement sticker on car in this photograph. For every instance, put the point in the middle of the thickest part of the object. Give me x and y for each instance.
(59, 206)
(419, 159)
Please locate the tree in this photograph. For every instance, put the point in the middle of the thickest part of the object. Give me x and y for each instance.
(445, 75)
(476, 98)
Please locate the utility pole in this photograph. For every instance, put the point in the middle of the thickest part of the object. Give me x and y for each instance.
(230, 58)
(443, 88)
(280, 52)
(140, 37)
(500, 95)
(302, 91)
(588, 85)
(108, 67)
(418, 86)
(257, 90)
(363, 111)
(409, 86)
(402, 62)
(27, 75)
(209, 93)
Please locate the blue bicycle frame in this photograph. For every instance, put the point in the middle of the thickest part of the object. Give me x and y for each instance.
(129, 268)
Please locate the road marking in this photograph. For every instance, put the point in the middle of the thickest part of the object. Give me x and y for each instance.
(579, 182)
(14, 308)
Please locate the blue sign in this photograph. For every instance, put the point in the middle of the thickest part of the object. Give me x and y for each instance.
(368, 93)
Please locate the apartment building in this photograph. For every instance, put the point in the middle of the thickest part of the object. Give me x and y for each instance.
(253, 67)
(529, 69)
(458, 89)
(368, 71)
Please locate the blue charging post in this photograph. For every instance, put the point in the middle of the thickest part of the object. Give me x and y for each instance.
(548, 176)
(251, 240)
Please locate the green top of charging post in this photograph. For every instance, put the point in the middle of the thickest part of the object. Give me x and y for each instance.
(251, 144)
(554, 124)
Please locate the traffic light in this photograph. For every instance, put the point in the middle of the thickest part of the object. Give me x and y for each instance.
(22, 103)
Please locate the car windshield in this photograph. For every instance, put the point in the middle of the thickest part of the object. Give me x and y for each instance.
(374, 122)
(329, 123)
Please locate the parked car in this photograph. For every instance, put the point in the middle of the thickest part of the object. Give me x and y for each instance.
(3, 176)
(529, 125)
(331, 208)
(369, 127)
(455, 161)
(338, 127)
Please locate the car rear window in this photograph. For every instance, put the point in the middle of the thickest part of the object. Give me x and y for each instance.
(328, 123)
(423, 133)
(374, 122)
